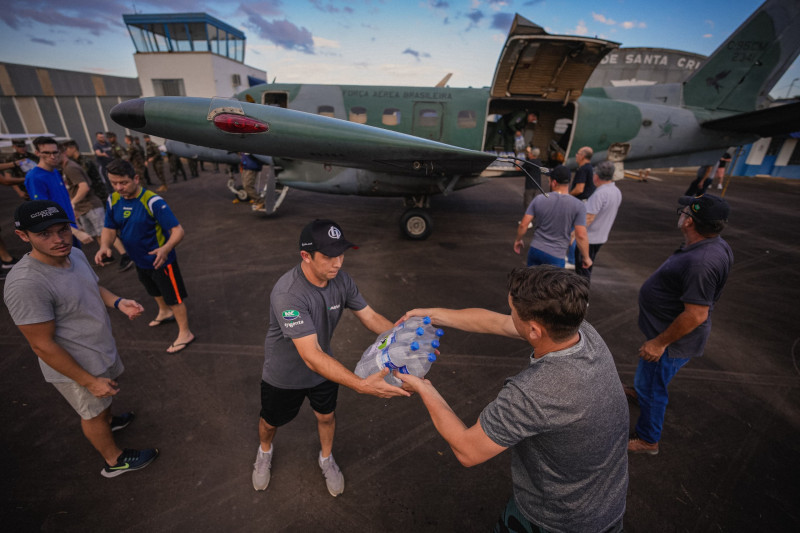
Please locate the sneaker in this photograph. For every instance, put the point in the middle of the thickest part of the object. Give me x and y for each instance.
(129, 461)
(108, 259)
(7, 265)
(261, 468)
(637, 445)
(630, 394)
(719, 186)
(122, 421)
(333, 476)
(125, 263)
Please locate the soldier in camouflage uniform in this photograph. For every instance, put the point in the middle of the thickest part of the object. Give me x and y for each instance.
(154, 157)
(117, 151)
(135, 157)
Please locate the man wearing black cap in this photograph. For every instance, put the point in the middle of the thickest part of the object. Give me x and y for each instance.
(675, 305)
(54, 299)
(557, 215)
(305, 306)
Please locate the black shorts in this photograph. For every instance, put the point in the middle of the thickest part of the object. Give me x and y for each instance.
(280, 406)
(166, 282)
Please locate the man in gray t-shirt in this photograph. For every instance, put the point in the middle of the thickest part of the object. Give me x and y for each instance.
(557, 215)
(564, 417)
(305, 306)
(601, 211)
(54, 299)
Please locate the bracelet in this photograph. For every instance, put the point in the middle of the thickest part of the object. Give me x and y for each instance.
(116, 303)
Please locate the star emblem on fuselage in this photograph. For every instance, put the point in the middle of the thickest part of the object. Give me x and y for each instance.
(666, 128)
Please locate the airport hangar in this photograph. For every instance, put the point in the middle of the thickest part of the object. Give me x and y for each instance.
(195, 54)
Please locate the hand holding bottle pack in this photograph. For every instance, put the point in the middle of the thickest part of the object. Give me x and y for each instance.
(408, 347)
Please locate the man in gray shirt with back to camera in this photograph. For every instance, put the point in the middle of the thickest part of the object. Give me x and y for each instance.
(601, 211)
(305, 306)
(54, 299)
(564, 416)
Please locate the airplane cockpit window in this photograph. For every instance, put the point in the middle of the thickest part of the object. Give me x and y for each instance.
(325, 111)
(391, 116)
(466, 119)
(428, 117)
(358, 114)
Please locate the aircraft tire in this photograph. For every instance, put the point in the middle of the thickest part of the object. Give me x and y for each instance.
(416, 224)
(241, 194)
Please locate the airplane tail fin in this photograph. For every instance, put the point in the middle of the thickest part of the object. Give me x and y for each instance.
(740, 73)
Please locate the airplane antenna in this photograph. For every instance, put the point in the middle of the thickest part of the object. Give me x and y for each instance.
(513, 160)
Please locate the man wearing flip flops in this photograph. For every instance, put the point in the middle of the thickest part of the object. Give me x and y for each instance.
(54, 299)
(149, 230)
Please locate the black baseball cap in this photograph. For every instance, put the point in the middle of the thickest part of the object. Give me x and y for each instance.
(38, 215)
(706, 208)
(324, 236)
(18, 142)
(560, 174)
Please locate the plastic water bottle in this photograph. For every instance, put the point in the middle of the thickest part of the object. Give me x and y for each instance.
(408, 347)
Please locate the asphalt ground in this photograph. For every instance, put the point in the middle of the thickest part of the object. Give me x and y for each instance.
(729, 459)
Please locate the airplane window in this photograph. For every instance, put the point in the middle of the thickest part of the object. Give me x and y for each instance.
(466, 119)
(325, 110)
(358, 114)
(561, 125)
(391, 116)
(428, 117)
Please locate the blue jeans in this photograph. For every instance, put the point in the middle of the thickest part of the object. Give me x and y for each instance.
(651, 382)
(538, 257)
(571, 252)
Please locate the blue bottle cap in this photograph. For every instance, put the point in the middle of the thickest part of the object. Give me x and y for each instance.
(439, 332)
(431, 357)
(420, 331)
(414, 346)
(426, 320)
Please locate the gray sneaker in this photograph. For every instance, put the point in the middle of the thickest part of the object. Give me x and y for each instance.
(333, 476)
(261, 468)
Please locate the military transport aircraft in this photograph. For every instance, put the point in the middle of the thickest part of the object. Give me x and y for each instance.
(414, 142)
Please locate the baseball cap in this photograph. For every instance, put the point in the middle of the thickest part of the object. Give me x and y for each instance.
(18, 142)
(707, 207)
(605, 170)
(560, 174)
(324, 236)
(38, 215)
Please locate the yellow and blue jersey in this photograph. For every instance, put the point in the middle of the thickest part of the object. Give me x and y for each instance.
(143, 224)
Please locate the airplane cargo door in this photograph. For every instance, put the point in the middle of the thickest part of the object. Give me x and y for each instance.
(428, 120)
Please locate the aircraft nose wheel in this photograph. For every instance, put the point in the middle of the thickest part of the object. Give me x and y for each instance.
(416, 224)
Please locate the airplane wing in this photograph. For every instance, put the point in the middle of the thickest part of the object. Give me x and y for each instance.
(268, 130)
(782, 119)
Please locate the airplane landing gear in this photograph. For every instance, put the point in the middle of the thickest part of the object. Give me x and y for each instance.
(416, 224)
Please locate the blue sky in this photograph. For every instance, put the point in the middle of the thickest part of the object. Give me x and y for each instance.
(385, 42)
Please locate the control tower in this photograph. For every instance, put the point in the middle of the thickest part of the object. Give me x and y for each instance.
(189, 54)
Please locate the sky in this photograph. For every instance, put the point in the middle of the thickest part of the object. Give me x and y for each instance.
(371, 42)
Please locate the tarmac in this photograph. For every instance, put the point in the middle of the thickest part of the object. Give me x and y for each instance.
(730, 452)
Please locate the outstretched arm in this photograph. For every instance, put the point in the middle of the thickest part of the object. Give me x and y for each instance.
(326, 366)
(373, 321)
(471, 446)
(473, 319)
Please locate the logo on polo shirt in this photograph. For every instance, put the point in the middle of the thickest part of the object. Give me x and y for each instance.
(291, 314)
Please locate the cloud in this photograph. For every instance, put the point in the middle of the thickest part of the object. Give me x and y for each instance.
(602, 19)
(325, 43)
(438, 4)
(630, 24)
(330, 7)
(265, 8)
(710, 23)
(707, 36)
(581, 28)
(281, 32)
(502, 21)
(18, 14)
(498, 4)
(415, 53)
(42, 41)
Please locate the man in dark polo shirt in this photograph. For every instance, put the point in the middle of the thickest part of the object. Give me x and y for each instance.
(675, 305)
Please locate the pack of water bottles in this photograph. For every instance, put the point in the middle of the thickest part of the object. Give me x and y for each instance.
(409, 347)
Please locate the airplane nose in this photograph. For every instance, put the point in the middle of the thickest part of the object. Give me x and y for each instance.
(129, 114)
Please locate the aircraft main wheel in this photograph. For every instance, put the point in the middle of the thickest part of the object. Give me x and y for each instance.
(416, 224)
(241, 194)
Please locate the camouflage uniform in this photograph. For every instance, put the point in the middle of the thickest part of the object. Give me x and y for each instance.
(136, 158)
(158, 161)
(117, 151)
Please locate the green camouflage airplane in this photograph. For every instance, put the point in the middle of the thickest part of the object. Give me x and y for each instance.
(414, 142)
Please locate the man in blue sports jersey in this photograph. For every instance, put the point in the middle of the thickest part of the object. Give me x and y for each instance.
(149, 230)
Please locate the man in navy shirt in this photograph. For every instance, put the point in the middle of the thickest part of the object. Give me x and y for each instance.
(675, 305)
(149, 230)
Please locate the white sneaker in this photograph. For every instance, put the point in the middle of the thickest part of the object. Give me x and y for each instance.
(719, 186)
(261, 468)
(333, 476)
